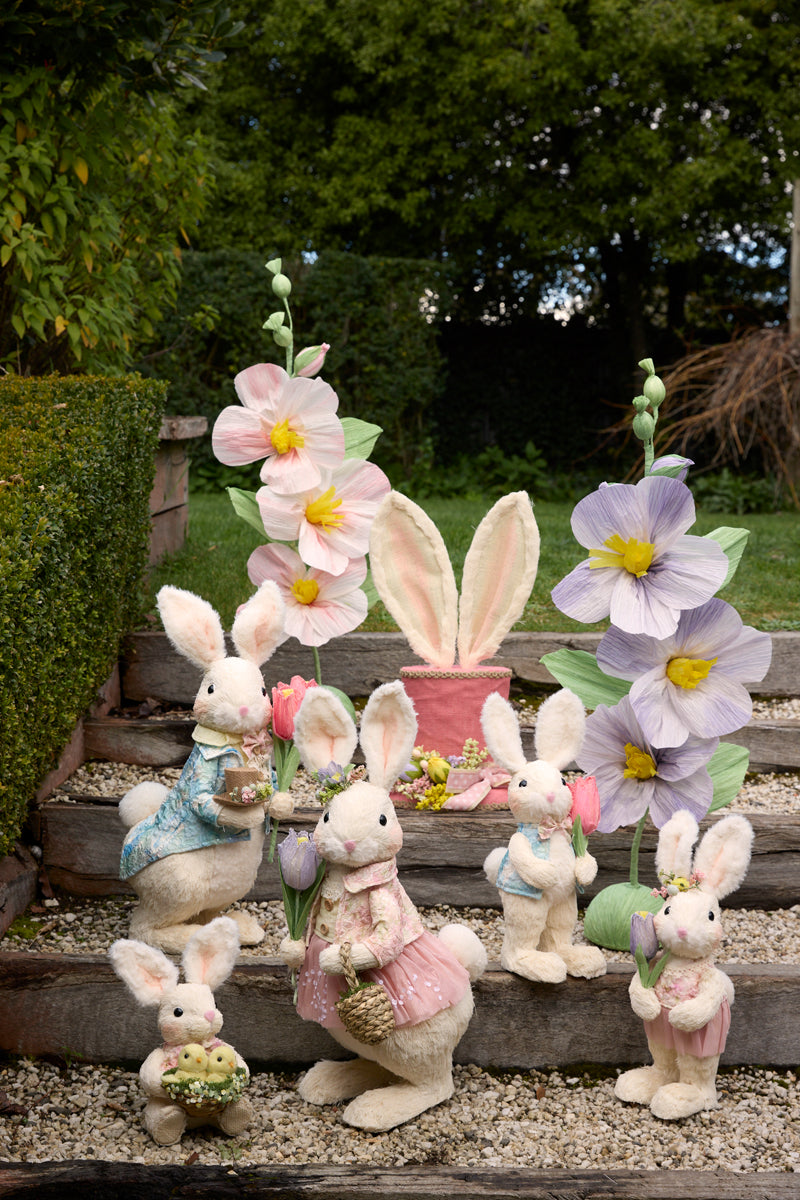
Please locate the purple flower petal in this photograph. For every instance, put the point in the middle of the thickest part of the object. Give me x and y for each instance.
(584, 594)
(694, 793)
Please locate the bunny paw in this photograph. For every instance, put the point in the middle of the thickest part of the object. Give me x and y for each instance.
(585, 962)
(386, 1107)
(677, 1100)
(537, 965)
(250, 932)
(330, 1082)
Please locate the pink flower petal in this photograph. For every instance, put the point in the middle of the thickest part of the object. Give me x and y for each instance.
(238, 437)
(260, 386)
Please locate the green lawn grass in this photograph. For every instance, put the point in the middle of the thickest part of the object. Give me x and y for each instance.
(765, 589)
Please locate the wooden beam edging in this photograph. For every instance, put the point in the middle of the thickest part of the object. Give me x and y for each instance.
(358, 662)
(86, 1179)
(52, 1003)
(441, 860)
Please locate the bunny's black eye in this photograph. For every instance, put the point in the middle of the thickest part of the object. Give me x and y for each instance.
(263, 691)
(382, 819)
(210, 688)
(327, 817)
(666, 911)
(711, 916)
(522, 783)
(177, 1012)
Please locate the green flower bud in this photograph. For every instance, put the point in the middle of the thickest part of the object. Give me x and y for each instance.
(283, 337)
(274, 266)
(643, 426)
(281, 286)
(640, 403)
(654, 390)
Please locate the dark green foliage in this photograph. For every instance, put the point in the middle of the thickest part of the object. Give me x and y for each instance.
(77, 459)
(384, 360)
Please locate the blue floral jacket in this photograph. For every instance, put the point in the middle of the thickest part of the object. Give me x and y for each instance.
(187, 818)
(508, 880)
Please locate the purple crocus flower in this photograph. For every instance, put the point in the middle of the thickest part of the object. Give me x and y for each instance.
(691, 683)
(633, 775)
(299, 860)
(643, 568)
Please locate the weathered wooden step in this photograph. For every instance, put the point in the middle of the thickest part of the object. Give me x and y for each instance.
(774, 745)
(52, 1001)
(84, 1180)
(358, 662)
(440, 863)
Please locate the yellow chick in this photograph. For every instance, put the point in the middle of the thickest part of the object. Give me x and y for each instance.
(192, 1062)
(221, 1063)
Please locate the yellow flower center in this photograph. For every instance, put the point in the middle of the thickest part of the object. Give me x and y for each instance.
(321, 511)
(638, 763)
(285, 439)
(305, 590)
(633, 556)
(688, 672)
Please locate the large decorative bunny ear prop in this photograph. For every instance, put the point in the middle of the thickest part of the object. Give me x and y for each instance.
(723, 856)
(676, 841)
(412, 573)
(414, 578)
(258, 627)
(388, 730)
(324, 731)
(501, 733)
(560, 728)
(192, 626)
(211, 953)
(147, 972)
(499, 573)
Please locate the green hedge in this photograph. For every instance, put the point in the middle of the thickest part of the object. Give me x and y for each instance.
(77, 460)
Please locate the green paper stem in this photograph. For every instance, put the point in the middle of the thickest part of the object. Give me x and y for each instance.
(580, 842)
(637, 838)
(317, 665)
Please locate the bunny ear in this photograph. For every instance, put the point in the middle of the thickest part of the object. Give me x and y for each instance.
(146, 971)
(192, 626)
(414, 578)
(675, 841)
(501, 733)
(388, 732)
(210, 953)
(499, 572)
(323, 730)
(723, 855)
(560, 728)
(258, 628)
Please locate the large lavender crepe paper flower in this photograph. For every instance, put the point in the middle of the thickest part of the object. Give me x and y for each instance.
(634, 776)
(643, 569)
(690, 684)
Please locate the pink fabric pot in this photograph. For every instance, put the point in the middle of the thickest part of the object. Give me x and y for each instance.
(448, 706)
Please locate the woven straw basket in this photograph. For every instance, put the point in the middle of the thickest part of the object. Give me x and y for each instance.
(365, 1009)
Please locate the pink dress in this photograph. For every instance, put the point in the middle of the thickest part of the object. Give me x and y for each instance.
(700, 1043)
(421, 976)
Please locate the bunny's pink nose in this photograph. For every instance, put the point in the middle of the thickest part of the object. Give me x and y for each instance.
(682, 933)
(550, 797)
(243, 710)
(209, 1016)
(349, 847)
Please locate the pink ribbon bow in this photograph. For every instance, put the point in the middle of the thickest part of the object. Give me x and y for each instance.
(549, 826)
(470, 787)
(256, 743)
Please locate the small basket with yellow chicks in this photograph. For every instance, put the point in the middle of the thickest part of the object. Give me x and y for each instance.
(205, 1081)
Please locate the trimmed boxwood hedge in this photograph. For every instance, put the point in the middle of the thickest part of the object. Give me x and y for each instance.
(77, 459)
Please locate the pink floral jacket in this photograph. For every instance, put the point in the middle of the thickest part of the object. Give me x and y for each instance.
(374, 909)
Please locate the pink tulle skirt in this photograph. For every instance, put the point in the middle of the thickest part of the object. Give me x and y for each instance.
(701, 1043)
(421, 981)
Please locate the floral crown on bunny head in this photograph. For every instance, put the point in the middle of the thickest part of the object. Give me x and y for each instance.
(454, 636)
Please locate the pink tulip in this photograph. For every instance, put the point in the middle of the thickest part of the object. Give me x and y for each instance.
(585, 802)
(286, 700)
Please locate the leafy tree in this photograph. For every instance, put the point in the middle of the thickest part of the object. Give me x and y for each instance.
(611, 152)
(97, 180)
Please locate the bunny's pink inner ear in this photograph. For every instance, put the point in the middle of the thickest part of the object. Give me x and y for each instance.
(324, 731)
(211, 953)
(147, 972)
(258, 627)
(499, 573)
(560, 728)
(192, 626)
(388, 732)
(676, 841)
(413, 576)
(501, 733)
(723, 855)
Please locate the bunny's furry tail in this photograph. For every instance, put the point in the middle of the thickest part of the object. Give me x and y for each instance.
(140, 802)
(466, 947)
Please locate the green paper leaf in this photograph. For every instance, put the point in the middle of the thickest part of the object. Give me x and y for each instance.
(733, 542)
(578, 671)
(344, 698)
(274, 266)
(359, 437)
(246, 506)
(369, 589)
(727, 769)
(607, 921)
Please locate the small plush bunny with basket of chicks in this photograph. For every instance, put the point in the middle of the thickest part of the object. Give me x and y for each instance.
(363, 921)
(190, 852)
(686, 1013)
(193, 1078)
(537, 874)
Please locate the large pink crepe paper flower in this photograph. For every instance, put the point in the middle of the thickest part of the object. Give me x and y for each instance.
(633, 775)
(692, 682)
(319, 606)
(290, 423)
(330, 522)
(643, 569)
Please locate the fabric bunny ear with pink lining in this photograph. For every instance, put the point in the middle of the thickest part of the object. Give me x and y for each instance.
(414, 578)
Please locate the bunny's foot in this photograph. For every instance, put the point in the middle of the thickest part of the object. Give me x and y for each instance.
(695, 1092)
(164, 1122)
(330, 1082)
(640, 1085)
(235, 1117)
(250, 932)
(585, 962)
(384, 1108)
(537, 965)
